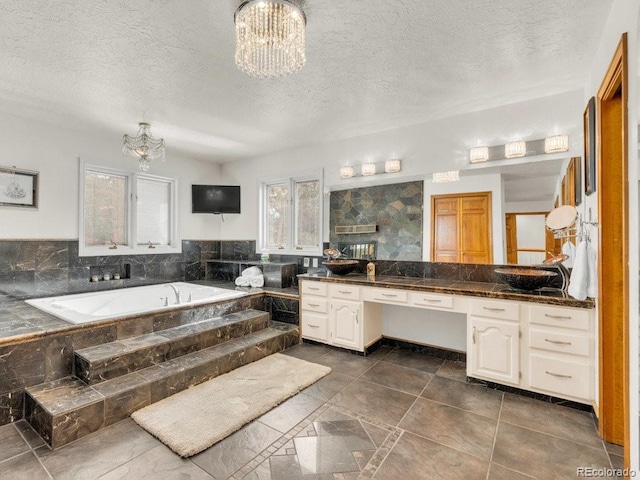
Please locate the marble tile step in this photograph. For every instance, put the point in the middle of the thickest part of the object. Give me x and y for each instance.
(64, 410)
(110, 360)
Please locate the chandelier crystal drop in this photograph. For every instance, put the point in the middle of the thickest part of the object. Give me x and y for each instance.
(270, 38)
(143, 147)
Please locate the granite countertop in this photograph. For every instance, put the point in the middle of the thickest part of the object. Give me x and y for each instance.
(456, 287)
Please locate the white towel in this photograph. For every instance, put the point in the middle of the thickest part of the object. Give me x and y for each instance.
(592, 285)
(257, 281)
(569, 249)
(584, 277)
(251, 272)
(242, 281)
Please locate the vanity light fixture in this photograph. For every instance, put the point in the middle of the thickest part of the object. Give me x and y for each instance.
(515, 149)
(556, 144)
(392, 165)
(368, 169)
(446, 177)
(270, 37)
(346, 171)
(478, 154)
(144, 147)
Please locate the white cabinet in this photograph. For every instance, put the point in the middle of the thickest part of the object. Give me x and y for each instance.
(346, 329)
(314, 306)
(542, 348)
(333, 314)
(494, 350)
(560, 352)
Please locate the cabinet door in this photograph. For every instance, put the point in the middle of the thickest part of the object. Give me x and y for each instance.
(475, 229)
(494, 347)
(346, 328)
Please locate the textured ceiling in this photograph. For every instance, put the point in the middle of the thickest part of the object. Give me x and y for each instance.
(372, 65)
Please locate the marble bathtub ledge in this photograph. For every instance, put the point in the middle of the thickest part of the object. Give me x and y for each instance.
(48, 324)
(454, 287)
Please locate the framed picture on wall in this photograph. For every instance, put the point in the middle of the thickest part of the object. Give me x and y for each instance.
(577, 179)
(18, 188)
(590, 147)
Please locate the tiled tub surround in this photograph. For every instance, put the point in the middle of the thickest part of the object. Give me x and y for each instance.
(395, 208)
(36, 347)
(91, 307)
(113, 380)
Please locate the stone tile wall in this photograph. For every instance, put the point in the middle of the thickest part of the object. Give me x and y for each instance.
(397, 211)
(39, 268)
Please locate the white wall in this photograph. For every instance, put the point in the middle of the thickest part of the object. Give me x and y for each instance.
(480, 183)
(528, 207)
(54, 151)
(439, 145)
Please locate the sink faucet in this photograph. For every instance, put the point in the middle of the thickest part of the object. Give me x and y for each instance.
(176, 291)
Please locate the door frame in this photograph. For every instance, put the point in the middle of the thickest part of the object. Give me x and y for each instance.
(613, 270)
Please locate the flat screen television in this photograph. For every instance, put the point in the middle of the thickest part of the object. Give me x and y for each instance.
(215, 198)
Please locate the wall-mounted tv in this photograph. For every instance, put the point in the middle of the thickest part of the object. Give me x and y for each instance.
(215, 198)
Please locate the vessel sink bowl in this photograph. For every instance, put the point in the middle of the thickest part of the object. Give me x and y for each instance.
(341, 267)
(525, 278)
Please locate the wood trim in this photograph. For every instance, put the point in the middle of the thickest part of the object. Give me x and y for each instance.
(613, 270)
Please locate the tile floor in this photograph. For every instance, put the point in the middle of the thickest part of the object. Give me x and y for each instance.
(392, 415)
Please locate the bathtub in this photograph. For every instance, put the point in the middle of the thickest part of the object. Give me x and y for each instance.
(91, 307)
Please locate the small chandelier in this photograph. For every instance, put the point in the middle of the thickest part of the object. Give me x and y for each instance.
(143, 147)
(270, 37)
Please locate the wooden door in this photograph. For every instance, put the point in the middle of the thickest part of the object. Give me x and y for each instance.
(445, 236)
(512, 239)
(461, 228)
(475, 228)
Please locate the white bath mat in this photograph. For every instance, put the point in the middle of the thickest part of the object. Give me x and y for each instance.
(194, 419)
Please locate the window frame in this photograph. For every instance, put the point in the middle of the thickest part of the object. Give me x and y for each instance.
(292, 180)
(131, 247)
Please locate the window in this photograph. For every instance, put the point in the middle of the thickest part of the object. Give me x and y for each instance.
(291, 214)
(125, 213)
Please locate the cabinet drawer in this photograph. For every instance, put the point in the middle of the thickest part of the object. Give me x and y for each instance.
(348, 292)
(314, 304)
(432, 300)
(559, 342)
(576, 318)
(560, 376)
(385, 295)
(314, 288)
(492, 309)
(315, 326)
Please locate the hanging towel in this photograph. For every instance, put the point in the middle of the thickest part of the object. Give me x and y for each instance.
(569, 249)
(242, 281)
(257, 281)
(584, 277)
(251, 272)
(592, 283)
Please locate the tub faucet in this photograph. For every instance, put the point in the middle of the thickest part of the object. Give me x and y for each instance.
(176, 291)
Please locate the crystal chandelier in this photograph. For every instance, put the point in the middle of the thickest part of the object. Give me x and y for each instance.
(143, 147)
(270, 37)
